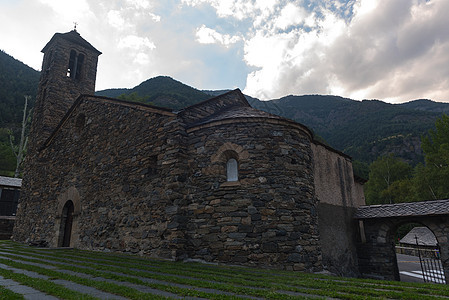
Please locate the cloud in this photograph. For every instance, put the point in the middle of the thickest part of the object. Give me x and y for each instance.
(135, 43)
(394, 50)
(210, 36)
(68, 8)
(387, 50)
(290, 15)
(115, 19)
(238, 9)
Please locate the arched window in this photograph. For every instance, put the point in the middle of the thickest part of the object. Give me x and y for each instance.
(72, 64)
(79, 64)
(75, 63)
(232, 170)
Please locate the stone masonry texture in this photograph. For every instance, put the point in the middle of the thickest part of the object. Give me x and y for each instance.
(152, 181)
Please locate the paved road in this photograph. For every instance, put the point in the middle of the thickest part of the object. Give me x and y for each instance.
(409, 268)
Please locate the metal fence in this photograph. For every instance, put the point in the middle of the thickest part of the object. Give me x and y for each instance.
(430, 262)
(431, 266)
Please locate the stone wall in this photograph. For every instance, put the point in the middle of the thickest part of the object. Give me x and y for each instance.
(126, 164)
(338, 235)
(140, 183)
(268, 217)
(334, 178)
(57, 92)
(338, 197)
(146, 180)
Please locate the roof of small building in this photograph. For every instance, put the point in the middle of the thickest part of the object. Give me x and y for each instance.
(425, 208)
(10, 182)
(227, 107)
(237, 112)
(424, 235)
(74, 37)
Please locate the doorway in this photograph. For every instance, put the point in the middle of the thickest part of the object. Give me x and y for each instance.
(66, 224)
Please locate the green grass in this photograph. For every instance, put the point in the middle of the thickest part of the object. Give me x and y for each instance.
(7, 294)
(45, 286)
(200, 280)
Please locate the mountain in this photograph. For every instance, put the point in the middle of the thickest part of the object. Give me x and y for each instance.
(363, 129)
(16, 81)
(427, 105)
(161, 91)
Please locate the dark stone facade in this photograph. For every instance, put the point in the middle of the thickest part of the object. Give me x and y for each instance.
(152, 181)
(57, 90)
(269, 216)
(148, 185)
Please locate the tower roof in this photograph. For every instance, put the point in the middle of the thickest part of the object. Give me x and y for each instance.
(74, 37)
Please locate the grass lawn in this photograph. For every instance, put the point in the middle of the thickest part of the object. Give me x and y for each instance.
(54, 272)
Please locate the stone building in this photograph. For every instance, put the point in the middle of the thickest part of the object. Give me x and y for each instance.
(218, 181)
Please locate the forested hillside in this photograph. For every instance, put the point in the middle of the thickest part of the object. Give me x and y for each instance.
(160, 91)
(16, 81)
(363, 129)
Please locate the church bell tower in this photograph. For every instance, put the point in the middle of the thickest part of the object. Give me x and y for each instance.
(69, 69)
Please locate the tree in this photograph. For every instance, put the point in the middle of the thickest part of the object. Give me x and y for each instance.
(384, 172)
(432, 178)
(7, 160)
(19, 150)
(133, 97)
(401, 191)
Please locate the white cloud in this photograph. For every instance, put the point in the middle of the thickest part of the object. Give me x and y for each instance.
(210, 36)
(290, 15)
(387, 49)
(139, 4)
(365, 7)
(237, 9)
(387, 53)
(154, 17)
(142, 58)
(135, 42)
(68, 8)
(115, 19)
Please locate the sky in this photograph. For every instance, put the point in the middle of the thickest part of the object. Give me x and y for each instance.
(391, 50)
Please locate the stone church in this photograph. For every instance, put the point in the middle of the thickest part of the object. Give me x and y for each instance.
(218, 181)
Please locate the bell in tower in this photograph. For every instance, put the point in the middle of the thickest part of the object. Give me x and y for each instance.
(69, 69)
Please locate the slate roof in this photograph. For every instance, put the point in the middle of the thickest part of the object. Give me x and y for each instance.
(425, 208)
(424, 235)
(238, 112)
(74, 37)
(10, 182)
